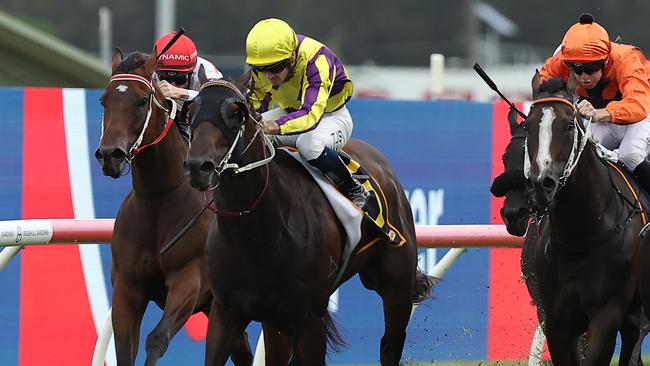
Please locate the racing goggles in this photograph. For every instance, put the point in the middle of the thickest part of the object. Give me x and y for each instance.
(173, 77)
(275, 68)
(588, 68)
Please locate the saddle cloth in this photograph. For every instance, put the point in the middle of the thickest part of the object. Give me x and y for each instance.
(365, 227)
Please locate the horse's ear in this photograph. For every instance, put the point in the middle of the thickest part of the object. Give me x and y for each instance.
(244, 80)
(117, 58)
(536, 83)
(203, 78)
(150, 64)
(572, 83)
(512, 121)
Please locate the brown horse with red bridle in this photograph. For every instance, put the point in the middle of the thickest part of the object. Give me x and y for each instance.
(137, 130)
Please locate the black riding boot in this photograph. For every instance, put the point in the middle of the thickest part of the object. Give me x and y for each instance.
(332, 167)
(642, 174)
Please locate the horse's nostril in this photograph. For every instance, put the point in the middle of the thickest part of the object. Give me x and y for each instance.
(102, 154)
(207, 167)
(118, 154)
(548, 184)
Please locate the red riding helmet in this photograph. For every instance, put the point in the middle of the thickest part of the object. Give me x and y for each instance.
(180, 57)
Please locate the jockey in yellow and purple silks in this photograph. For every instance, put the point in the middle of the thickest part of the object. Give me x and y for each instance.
(310, 87)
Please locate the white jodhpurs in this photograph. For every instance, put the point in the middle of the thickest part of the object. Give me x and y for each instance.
(333, 131)
(631, 142)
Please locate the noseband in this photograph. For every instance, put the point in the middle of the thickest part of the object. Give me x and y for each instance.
(136, 148)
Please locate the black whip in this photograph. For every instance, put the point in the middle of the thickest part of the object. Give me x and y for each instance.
(178, 34)
(493, 86)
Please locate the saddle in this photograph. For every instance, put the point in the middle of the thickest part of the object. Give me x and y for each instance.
(376, 215)
(641, 197)
(363, 228)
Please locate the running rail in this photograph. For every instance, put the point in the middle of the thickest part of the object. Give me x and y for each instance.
(74, 231)
(16, 234)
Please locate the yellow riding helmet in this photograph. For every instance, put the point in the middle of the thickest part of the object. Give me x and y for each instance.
(270, 41)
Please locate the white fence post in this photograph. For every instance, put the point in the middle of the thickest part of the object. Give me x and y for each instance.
(437, 70)
(104, 338)
(6, 254)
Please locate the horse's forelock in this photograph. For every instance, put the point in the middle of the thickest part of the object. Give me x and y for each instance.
(132, 62)
(553, 86)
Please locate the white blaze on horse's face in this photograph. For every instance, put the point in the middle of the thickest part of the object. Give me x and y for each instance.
(122, 88)
(545, 135)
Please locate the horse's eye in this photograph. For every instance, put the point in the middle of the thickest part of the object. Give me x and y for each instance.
(143, 102)
(570, 126)
(101, 101)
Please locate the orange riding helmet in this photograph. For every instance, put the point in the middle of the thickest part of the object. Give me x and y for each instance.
(586, 41)
(180, 57)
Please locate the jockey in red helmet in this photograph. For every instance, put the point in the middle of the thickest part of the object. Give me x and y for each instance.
(177, 71)
(614, 90)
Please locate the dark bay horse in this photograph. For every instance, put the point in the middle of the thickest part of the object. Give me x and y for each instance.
(275, 246)
(591, 213)
(160, 203)
(515, 214)
(511, 184)
(515, 211)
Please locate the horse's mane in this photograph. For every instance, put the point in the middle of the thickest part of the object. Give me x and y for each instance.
(132, 61)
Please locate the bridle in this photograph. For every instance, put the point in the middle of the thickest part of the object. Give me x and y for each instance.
(225, 163)
(577, 147)
(170, 114)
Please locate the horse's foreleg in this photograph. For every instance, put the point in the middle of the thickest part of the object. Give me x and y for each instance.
(562, 342)
(277, 347)
(183, 288)
(225, 329)
(240, 351)
(311, 343)
(127, 313)
(241, 354)
(634, 329)
(601, 336)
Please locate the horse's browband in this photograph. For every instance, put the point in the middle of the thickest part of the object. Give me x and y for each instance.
(131, 77)
(227, 84)
(554, 99)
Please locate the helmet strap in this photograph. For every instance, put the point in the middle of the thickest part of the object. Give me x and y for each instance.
(292, 64)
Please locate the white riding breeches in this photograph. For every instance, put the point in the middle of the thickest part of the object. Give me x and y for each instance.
(631, 142)
(333, 131)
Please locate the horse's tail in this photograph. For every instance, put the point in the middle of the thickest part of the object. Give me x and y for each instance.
(423, 286)
(335, 339)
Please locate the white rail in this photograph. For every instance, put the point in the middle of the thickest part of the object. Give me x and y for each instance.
(16, 234)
